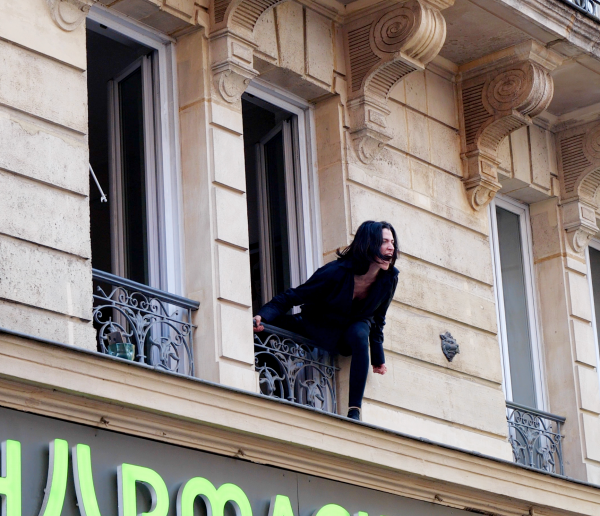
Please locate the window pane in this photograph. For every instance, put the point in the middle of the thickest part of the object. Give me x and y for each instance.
(134, 177)
(275, 169)
(515, 308)
(595, 268)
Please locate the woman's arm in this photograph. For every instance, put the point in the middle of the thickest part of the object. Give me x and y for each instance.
(376, 335)
(317, 286)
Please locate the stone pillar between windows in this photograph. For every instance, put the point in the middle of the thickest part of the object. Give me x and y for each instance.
(215, 213)
(568, 340)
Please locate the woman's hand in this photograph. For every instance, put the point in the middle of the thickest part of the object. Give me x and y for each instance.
(256, 324)
(380, 369)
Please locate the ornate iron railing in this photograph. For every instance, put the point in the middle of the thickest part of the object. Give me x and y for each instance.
(144, 324)
(290, 367)
(588, 7)
(535, 437)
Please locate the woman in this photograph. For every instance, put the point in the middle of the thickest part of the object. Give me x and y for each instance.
(344, 304)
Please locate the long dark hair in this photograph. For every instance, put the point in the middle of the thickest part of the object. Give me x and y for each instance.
(366, 247)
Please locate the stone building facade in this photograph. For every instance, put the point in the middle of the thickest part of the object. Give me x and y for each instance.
(210, 153)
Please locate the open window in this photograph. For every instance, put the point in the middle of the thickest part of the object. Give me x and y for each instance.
(593, 261)
(135, 234)
(278, 224)
(515, 297)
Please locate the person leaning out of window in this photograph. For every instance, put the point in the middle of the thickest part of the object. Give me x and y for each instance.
(344, 304)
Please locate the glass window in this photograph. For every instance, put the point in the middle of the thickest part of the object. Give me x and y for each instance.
(274, 200)
(123, 155)
(516, 314)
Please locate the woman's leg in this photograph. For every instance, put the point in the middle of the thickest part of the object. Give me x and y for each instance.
(357, 338)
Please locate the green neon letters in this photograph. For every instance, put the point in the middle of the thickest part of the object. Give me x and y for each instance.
(215, 499)
(280, 506)
(127, 476)
(10, 481)
(332, 510)
(56, 485)
(84, 481)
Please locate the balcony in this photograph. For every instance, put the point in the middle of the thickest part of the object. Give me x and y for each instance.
(535, 438)
(143, 324)
(152, 327)
(588, 7)
(290, 367)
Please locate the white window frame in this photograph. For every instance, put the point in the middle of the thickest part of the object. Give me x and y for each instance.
(309, 186)
(595, 243)
(527, 248)
(168, 159)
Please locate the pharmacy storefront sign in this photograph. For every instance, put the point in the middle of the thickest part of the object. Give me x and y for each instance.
(55, 468)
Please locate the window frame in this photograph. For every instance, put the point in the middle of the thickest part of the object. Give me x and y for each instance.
(169, 276)
(308, 212)
(595, 243)
(522, 210)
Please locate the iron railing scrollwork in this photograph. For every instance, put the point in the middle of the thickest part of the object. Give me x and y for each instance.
(142, 323)
(291, 368)
(535, 438)
(588, 7)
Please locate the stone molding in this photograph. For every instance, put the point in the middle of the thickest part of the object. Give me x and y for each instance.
(232, 45)
(382, 47)
(232, 58)
(69, 14)
(496, 98)
(96, 391)
(578, 152)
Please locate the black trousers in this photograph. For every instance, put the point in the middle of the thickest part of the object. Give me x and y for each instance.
(354, 341)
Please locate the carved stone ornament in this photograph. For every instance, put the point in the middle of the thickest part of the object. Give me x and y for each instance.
(579, 177)
(231, 85)
(495, 101)
(449, 346)
(382, 47)
(69, 14)
(231, 65)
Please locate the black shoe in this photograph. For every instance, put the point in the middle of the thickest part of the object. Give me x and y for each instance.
(354, 413)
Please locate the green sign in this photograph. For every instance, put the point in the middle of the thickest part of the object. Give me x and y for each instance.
(128, 476)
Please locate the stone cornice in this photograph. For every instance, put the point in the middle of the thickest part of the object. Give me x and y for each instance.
(89, 389)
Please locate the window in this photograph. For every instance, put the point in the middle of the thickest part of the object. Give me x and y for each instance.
(593, 260)
(278, 199)
(132, 142)
(517, 324)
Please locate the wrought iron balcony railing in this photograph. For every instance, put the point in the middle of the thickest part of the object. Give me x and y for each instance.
(144, 324)
(291, 368)
(535, 438)
(588, 7)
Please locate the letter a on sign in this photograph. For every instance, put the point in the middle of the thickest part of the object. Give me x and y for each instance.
(280, 506)
(56, 485)
(84, 481)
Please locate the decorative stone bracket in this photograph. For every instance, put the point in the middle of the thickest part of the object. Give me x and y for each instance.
(231, 65)
(232, 45)
(382, 47)
(69, 14)
(579, 176)
(497, 98)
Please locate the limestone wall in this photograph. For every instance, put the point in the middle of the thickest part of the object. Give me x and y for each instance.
(45, 271)
(445, 281)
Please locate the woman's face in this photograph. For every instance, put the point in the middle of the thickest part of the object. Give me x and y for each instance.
(387, 248)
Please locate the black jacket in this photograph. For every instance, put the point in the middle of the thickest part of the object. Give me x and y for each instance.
(326, 300)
